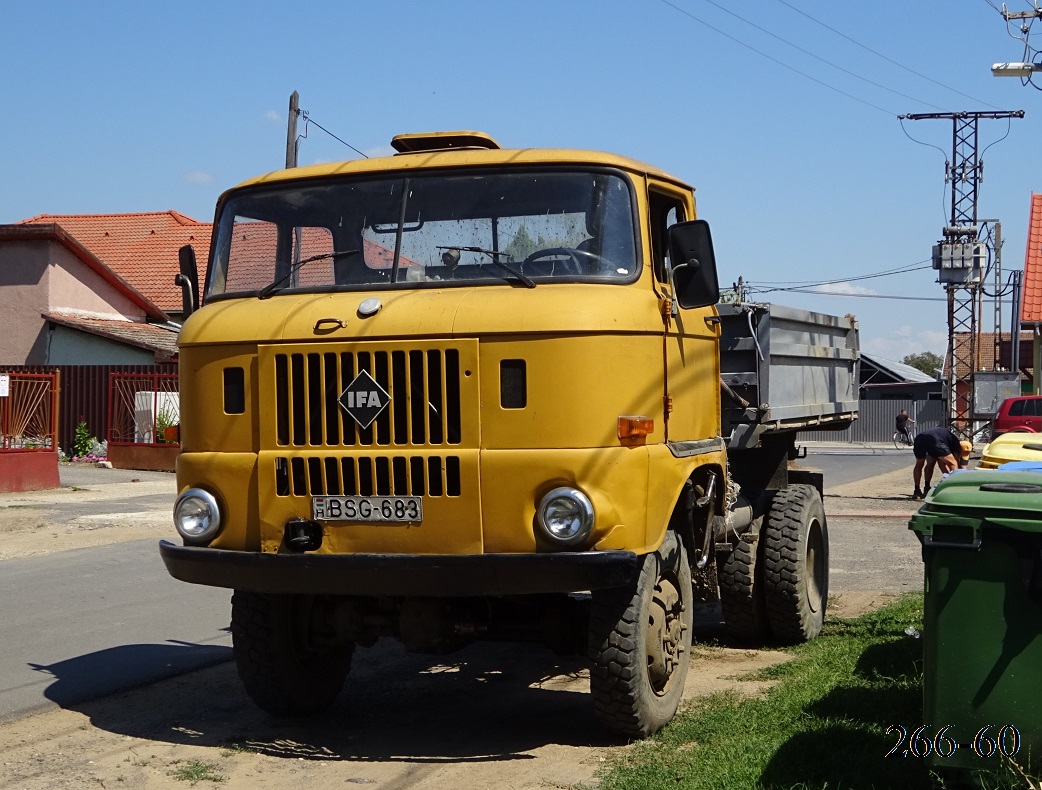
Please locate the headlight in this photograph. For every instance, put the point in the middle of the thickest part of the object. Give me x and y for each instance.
(196, 516)
(565, 515)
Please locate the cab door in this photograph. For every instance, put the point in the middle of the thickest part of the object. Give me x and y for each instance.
(691, 394)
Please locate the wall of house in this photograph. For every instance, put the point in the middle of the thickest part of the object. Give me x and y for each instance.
(37, 277)
(71, 347)
(23, 297)
(73, 287)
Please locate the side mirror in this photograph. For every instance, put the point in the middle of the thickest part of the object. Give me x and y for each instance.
(693, 264)
(188, 279)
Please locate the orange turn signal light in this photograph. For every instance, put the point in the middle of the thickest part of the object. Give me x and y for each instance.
(635, 426)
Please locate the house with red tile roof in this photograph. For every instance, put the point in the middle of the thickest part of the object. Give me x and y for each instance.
(95, 288)
(1031, 295)
(140, 248)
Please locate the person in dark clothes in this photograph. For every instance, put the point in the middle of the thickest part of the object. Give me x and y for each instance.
(901, 424)
(937, 447)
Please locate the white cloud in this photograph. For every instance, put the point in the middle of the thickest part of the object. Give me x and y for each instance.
(842, 289)
(272, 116)
(902, 341)
(198, 177)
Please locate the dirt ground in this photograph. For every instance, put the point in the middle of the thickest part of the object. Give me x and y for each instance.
(42, 522)
(492, 716)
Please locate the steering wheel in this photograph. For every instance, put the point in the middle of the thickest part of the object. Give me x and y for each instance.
(573, 262)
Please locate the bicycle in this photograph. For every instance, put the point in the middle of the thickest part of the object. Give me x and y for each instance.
(902, 439)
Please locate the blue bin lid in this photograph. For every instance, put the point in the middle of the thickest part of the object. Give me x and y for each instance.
(1022, 466)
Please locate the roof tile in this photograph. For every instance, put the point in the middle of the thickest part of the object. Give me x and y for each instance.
(140, 248)
(1031, 309)
(159, 339)
(986, 351)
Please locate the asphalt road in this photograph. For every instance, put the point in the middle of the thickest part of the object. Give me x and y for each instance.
(81, 624)
(84, 623)
(842, 464)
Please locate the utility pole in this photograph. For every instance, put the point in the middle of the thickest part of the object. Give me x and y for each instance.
(291, 161)
(958, 257)
(1014, 328)
(291, 130)
(997, 302)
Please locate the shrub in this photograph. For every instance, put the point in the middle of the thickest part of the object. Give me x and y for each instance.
(83, 441)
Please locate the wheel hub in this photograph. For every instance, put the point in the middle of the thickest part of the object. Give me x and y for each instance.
(664, 637)
(815, 567)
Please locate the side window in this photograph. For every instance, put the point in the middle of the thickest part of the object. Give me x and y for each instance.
(666, 211)
(1036, 408)
(1016, 409)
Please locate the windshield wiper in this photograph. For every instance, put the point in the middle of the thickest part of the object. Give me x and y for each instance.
(495, 255)
(275, 286)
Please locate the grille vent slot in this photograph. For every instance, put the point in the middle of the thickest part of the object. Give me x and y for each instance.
(431, 476)
(424, 386)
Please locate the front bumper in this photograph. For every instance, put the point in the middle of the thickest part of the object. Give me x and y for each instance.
(414, 575)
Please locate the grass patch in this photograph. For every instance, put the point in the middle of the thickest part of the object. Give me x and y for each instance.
(822, 725)
(194, 771)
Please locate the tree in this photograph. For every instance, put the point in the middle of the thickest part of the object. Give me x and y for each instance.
(926, 361)
(522, 245)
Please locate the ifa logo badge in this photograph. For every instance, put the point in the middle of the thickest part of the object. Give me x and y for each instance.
(364, 399)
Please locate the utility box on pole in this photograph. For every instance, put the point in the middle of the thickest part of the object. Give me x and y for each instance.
(990, 388)
(959, 263)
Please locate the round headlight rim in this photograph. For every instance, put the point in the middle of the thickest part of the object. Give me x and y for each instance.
(210, 501)
(577, 496)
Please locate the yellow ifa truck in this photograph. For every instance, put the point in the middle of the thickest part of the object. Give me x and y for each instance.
(466, 393)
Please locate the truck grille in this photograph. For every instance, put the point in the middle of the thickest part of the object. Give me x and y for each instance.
(432, 476)
(424, 386)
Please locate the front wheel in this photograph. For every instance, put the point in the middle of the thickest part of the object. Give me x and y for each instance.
(640, 643)
(282, 669)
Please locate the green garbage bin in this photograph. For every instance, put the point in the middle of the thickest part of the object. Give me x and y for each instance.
(981, 534)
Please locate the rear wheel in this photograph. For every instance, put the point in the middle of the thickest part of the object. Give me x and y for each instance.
(282, 669)
(740, 575)
(640, 643)
(796, 564)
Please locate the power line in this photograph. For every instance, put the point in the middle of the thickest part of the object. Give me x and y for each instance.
(912, 267)
(775, 60)
(309, 120)
(818, 57)
(884, 57)
(751, 289)
(947, 163)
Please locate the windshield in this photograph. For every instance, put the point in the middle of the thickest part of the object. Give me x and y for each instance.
(524, 228)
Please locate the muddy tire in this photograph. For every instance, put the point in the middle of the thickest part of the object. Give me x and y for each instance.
(796, 564)
(640, 643)
(281, 672)
(742, 598)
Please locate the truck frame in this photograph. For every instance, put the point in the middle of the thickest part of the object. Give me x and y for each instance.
(467, 393)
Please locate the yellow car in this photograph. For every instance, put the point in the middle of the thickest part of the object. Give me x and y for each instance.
(1012, 447)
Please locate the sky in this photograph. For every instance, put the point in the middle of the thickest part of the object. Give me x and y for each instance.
(782, 114)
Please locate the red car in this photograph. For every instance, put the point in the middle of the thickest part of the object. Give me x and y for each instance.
(1021, 414)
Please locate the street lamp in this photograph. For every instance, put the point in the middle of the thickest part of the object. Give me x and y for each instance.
(1015, 69)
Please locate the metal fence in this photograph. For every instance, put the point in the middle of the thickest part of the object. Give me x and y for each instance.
(83, 394)
(28, 412)
(142, 406)
(876, 421)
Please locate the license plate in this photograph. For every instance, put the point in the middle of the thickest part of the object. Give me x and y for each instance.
(368, 509)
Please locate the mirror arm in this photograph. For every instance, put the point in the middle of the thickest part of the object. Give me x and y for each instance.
(673, 286)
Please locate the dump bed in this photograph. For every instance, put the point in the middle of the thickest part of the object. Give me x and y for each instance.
(785, 369)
